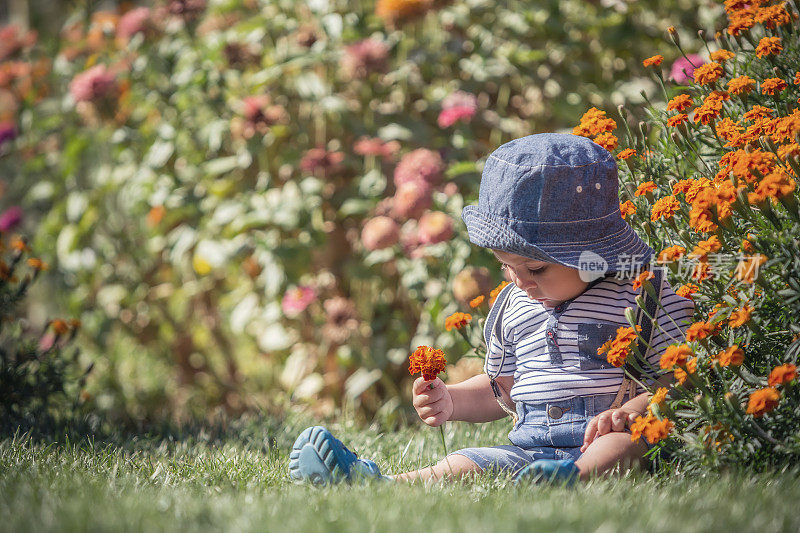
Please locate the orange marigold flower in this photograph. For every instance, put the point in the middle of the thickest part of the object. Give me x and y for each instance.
(658, 430)
(427, 361)
(721, 55)
(763, 401)
(677, 120)
(627, 208)
(394, 10)
(773, 16)
(711, 107)
(618, 348)
(750, 166)
(37, 264)
(730, 131)
(457, 321)
(494, 292)
(680, 103)
(775, 185)
(700, 330)
(740, 20)
(641, 278)
(747, 268)
(741, 85)
(740, 316)
(644, 188)
(782, 374)
(773, 86)
(675, 355)
(478, 300)
(594, 122)
(653, 61)
(607, 140)
(686, 291)
(626, 153)
(682, 186)
(18, 244)
(671, 253)
(797, 78)
(659, 396)
(639, 425)
(664, 207)
(691, 368)
(732, 355)
(706, 247)
(708, 73)
(769, 46)
(61, 327)
(757, 112)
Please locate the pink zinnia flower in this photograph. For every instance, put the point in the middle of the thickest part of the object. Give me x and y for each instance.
(375, 146)
(411, 200)
(380, 232)
(420, 165)
(364, 57)
(10, 218)
(296, 300)
(448, 117)
(683, 68)
(435, 227)
(92, 84)
(134, 21)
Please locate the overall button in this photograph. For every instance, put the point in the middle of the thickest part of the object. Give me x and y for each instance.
(555, 412)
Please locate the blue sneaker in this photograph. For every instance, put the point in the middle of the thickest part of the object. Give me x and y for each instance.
(562, 472)
(320, 458)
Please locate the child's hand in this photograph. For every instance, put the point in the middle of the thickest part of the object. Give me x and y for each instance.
(432, 401)
(607, 422)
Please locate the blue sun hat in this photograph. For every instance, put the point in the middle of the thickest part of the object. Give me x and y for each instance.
(554, 197)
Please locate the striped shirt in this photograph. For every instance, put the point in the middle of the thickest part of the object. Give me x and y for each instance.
(567, 365)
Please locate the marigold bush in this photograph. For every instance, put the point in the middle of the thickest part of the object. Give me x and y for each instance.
(716, 197)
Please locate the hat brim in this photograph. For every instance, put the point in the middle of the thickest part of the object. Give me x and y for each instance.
(621, 245)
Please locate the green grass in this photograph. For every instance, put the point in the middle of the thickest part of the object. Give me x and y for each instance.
(236, 481)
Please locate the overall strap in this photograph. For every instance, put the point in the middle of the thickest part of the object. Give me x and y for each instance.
(628, 386)
(494, 323)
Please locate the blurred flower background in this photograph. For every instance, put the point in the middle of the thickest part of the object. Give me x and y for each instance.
(253, 204)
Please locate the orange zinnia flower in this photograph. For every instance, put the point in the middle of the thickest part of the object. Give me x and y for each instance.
(773, 86)
(664, 207)
(478, 300)
(653, 61)
(721, 56)
(680, 103)
(732, 355)
(427, 361)
(627, 153)
(494, 292)
(677, 120)
(782, 374)
(740, 316)
(457, 321)
(618, 348)
(641, 278)
(708, 73)
(627, 208)
(769, 46)
(741, 85)
(671, 253)
(644, 188)
(763, 401)
(686, 291)
(700, 330)
(675, 355)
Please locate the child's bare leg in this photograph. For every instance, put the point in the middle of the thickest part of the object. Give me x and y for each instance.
(608, 451)
(451, 466)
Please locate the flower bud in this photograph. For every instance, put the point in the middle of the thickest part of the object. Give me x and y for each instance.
(630, 316)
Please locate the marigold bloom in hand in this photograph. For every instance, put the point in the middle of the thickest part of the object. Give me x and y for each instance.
(763, 401)
(675, 355)
(658, 430)
(457, 321)
(769, 46)
(732, 355)
(653, 61)
(782, 374)
(740, 316)
(427, 361)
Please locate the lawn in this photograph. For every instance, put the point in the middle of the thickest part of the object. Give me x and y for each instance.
(235, 480)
